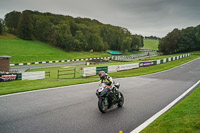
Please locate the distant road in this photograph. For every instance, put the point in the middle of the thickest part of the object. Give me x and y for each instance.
(73, 109)
(24, 68)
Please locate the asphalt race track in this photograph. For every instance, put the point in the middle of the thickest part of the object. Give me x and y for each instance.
(73, 109)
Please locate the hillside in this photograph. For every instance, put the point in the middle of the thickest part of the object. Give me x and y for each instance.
(70, 34)
(30, 51)
(151, 44)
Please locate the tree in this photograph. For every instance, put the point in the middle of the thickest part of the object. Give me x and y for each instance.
(96, 43)
(126, 44)
(42, 29)
(12, 20)
(63, 37)
(137, 42)
(80, 41)
(169, 44)
(197, 37)
(187, 40)
(25, 27)
(1, 26)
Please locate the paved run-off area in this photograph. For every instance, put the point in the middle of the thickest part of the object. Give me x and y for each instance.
(74, 109)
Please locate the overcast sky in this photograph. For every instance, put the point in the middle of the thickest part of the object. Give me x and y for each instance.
(145, 17)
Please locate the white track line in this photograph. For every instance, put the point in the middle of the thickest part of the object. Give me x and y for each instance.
(154, 117)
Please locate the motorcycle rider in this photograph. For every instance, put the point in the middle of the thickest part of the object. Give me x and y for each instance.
(105, 78)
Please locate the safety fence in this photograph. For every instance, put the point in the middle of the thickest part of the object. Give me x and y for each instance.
(90, 71)
(67, 73)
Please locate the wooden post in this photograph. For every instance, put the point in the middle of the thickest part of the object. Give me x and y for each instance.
(74, 72)
(58, 74)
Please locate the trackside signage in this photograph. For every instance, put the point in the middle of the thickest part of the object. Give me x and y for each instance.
(7, 77)
(127, 66)
(146, 64)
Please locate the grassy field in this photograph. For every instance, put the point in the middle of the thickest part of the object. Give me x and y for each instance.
(31, 51)
(150, 44)
(183, 118)
(25, 85)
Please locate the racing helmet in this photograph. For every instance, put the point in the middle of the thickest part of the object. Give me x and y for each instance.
(102, 75)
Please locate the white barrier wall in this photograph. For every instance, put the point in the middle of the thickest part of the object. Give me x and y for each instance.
(89, 71)
(158, 61)
(33, 75)
(112, 69)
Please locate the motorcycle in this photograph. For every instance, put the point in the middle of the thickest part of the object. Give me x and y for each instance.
(108, 97)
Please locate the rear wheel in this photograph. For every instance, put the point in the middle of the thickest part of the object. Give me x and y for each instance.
(121, 100)
(103, 105)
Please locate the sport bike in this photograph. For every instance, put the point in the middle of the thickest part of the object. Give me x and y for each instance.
(109, 97)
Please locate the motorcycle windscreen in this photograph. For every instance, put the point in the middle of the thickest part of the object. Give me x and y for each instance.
(104, 92)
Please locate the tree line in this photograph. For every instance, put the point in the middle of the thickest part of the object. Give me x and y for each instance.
(71, 34)
(185, 40)
(152, 37)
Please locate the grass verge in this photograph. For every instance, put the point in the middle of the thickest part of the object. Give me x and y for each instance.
(27, 85)
(182, 118)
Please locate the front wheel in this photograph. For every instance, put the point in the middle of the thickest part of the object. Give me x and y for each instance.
(103, 105)
(121, 100)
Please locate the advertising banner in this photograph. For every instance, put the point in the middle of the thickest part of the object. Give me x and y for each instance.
(146, 64)
(7, 77)
(98, 69)
(127, 66)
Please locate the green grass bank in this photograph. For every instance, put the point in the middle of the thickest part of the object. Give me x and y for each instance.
(22, 51)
